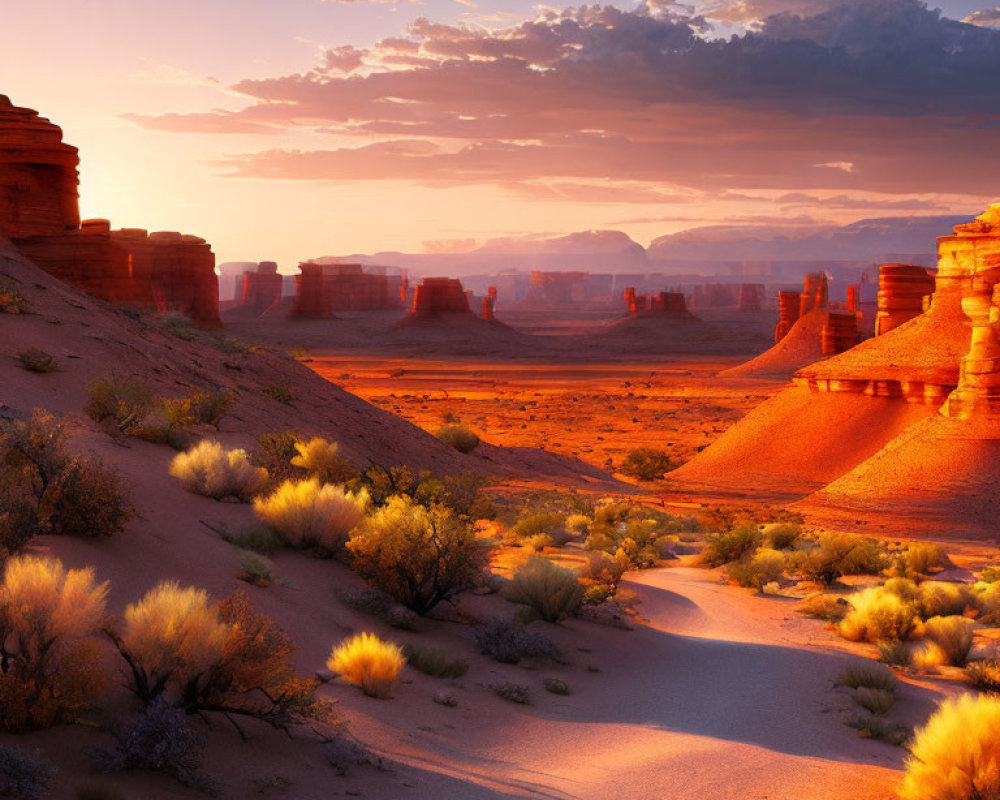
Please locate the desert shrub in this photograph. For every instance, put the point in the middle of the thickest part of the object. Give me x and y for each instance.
(122, 402)
(369, 663)
(920, 558)
(50, 663)
(984, 675)
(208, 469)
(534, 524)
(24, 775)
(877, 728)
(255, 569)
(781, 535)
(928, 657)
(756, 571)
(171, 637)
(382, 605)
(434, 661)
(177, 324)
(280, 392)
(896, 654)
(462, 494)
(255, 676)
(829, 607)
(869, 675)
(206, 408)
(941, 599)
(35, 360)
(255, 538)
(385, 482)
(838, 554)
(578, 524)
(956, 755)
(508, 642)
(732, 546)
(877, 615)
(86, 499)
(52, 491)
(11, 299)
(459, 437)
(312, 514)
(953, 635)
(875, 701)
(322, 460)
(420, 556)
(512, 692)
(605, 569)
(160, 739)
(274, 452)
(552, 591)
(647, 464)
(556, 686)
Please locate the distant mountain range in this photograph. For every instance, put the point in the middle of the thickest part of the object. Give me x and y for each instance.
(709, 250)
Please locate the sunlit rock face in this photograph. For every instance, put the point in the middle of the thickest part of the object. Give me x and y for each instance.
(261, 287)
(659, 303)
(902, 289)
(439, 296)
(39, 213)
(788, 314)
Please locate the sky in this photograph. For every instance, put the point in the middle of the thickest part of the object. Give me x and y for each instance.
(290, 129)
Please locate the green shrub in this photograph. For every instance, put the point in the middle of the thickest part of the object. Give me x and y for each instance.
(534, 524)
(732, 546)
(205, 408)
(176, 324)
(756, 571)
(462, 494)
(552, 591)
(279, 392)
(647, 464)
(434, 662)
(459, 437)
(35, 360)
(419, 556)
(255, 569)
(513, 692)
(953, 635)
(122, 402)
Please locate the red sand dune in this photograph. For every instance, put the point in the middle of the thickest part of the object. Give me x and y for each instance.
(801, 346)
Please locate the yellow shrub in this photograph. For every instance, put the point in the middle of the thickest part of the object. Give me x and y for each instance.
(322, 460)
(956, 755)
(369, 663)
(309, 513)
(51, 667)
(210, 470)
(941, 599)
(877, 615)
(171, 635)
(953, 635)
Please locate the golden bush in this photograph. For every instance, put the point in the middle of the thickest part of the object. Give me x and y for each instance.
(369, 663)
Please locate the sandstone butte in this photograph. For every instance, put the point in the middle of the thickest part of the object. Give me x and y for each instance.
(660, 303)
(908, 420)
(39, 213)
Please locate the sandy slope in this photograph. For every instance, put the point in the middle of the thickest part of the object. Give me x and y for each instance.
(795, 442)
(802, 345)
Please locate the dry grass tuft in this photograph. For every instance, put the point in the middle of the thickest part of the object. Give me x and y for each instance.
(877, 615)
(953, 636)
(209, 470)
(369, 663)
(312, 514)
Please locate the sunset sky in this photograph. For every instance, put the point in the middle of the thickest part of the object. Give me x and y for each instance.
(288, 129)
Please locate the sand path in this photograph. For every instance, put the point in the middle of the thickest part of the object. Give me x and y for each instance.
(722, 695)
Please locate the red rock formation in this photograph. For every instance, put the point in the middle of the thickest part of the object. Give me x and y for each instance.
(750, 296)
(439, 296)
(488, 308)
(840, 332)
(261, 287)
(815, 293)
(38, 175)
(39, 212)
(322, 289)
(788, 314)
(901, 292)
(854, 298)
